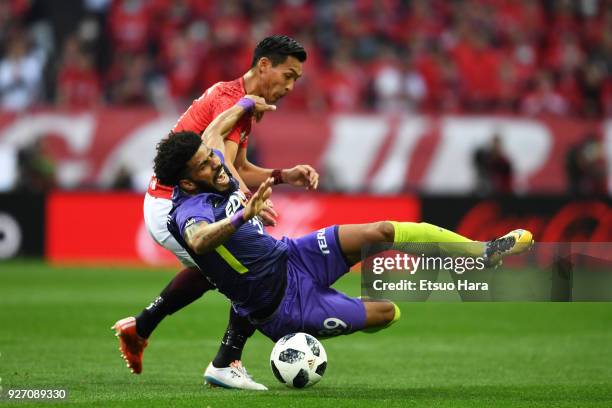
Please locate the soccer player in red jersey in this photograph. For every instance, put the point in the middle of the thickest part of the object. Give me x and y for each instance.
(277, 64)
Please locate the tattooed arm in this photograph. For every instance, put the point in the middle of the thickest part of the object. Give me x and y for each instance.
(204, 237)
(222, 125)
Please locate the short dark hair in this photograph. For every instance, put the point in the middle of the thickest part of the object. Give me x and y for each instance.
(277, 48)
(173, 153)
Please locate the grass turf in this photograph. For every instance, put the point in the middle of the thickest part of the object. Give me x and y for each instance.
(54, 333)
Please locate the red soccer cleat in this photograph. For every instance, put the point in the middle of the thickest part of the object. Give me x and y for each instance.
(131, 344)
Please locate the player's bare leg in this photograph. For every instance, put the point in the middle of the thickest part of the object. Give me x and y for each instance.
(352, 237)
(380, 314)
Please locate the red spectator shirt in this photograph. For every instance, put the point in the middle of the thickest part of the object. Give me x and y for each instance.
(215, 100)
(80, 88)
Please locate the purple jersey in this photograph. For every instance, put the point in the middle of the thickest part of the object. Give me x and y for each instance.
(250, 267)
(258, 273)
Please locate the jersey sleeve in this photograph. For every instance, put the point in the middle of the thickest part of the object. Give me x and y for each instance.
(192, 120)
(234, 135)
(192, 212)
(239, 134)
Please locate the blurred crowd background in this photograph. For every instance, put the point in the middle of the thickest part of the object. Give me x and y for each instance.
(522, 56)
(477, 115)
(541, 59)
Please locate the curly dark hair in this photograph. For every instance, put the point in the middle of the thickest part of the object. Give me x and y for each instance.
(277, 48)
(173, 153)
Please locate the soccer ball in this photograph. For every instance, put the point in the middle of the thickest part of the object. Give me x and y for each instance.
(298, 360)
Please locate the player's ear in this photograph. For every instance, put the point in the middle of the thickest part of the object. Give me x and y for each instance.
(187, 185)
(264, 64)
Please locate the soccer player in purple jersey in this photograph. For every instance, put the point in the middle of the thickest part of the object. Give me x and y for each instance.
(276, 66)
(282, 286)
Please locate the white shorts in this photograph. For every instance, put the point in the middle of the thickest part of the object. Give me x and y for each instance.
(156, 212)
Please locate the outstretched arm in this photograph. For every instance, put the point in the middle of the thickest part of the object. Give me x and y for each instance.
(204, 237)
(216, 132)
(248, 174)
(301, 175)
(222, 125)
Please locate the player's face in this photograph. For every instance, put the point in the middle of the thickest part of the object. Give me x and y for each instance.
(279, 80)
(206, 171)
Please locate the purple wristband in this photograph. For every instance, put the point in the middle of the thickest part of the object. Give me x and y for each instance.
(247, 104)
(237, 219)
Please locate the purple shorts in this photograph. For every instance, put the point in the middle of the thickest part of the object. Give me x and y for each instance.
(314, 263)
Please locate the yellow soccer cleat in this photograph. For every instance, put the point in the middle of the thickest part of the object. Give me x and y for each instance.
(513, 243)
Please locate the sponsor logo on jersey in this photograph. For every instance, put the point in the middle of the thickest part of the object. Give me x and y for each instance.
(237, 201)
(322, 241)
(234, 203)
(243, 135)
(189, 222)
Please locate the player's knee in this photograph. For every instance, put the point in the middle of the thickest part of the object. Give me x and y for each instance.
(385, 230)
(389, 312)
(380, 315)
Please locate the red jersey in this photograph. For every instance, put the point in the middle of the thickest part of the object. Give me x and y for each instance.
(214, 101)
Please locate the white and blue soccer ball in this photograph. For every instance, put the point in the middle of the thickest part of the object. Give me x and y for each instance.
(298, 360)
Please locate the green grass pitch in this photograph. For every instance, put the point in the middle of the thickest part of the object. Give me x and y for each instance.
(54, 333)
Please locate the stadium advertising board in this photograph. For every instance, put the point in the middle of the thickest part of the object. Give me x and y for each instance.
(109, 228)
(22, 223)
(550, 219)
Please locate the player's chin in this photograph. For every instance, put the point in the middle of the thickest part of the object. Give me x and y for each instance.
(222, 185)
(277, 98)
(222, 180)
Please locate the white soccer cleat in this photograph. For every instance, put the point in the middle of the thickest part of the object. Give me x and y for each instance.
(235, 376)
